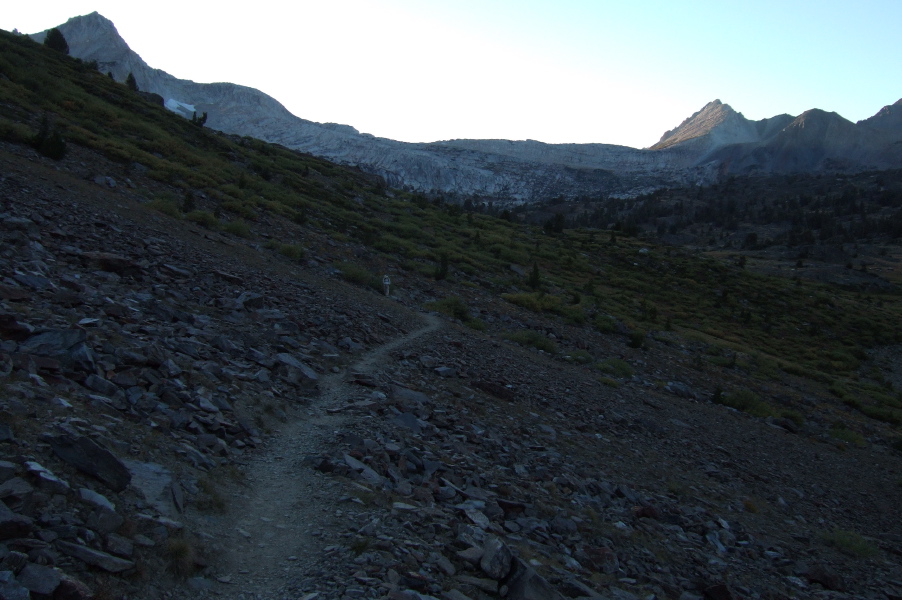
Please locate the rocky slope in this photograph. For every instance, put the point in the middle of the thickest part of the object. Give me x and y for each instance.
(188, 414)
(715, 140)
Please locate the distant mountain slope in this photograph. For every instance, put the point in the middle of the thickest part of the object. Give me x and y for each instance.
(713, 141)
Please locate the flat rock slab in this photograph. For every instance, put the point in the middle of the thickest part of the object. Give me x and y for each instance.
(155, 484)
(96, 558)
(39, 579)
(88, 456)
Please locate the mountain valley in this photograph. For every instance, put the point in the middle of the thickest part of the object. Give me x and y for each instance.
(207, 390)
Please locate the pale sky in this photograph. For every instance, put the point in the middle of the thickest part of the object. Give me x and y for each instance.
(616, 72)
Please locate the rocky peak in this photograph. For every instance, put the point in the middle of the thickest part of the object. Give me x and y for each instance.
(817, 123)
(887, 120)
(714, 117)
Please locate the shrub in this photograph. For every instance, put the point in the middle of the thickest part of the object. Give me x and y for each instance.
(850, 542)
(606, 324)
(533, 339)
(840, 432)
(745, 400)
(636, 339)
(203, 218)
(49, 141)
(580, 356)
(453, 306)
(165, 205)
(360, 276)
(239, 228)
(181, 555)
(615, 367)
(291, 251)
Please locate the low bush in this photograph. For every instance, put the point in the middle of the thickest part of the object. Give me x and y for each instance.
(615, 367)
(203, 218)
(360, 276)
(850, 542)
(533, 339)
(453, 306)
(239, 228)
(745, 400)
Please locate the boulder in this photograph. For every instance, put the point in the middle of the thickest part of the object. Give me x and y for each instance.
(88, 456)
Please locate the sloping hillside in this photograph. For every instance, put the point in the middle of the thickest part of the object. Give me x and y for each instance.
(205, 388)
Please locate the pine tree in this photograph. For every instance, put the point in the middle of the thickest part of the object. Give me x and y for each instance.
(131, 82)
(199, 121)
(56, 41)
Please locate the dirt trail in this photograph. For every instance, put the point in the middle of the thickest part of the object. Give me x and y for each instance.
(286, 516)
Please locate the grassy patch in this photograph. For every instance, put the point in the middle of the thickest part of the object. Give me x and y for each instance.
(360, 276)
(453, 306)
(203, 218)
(615, 367)
(850, 543)
(533, 339)
(745, 400)
(291, 251)
(840, 432)
(238, 228)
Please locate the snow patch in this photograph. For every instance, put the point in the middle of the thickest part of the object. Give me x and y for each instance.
(186, 110)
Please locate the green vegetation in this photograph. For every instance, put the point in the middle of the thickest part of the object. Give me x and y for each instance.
(844, 434)
(615, 367)
(745, 400)
(56, 41)
(360, 276)
(850, 542)
(533, 339)
(456, 307)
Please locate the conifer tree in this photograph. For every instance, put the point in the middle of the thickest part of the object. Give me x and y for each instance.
(56, 41)
(131, 82)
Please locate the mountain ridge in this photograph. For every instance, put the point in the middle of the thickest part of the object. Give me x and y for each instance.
(715, 141)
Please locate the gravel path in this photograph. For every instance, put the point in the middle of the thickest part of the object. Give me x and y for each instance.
(282, 521)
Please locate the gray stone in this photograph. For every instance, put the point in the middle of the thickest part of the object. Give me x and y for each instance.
(39, 579)
(66, 345)
(96, 558)
(445, 372)
(98, 500)
(408, 420)
(16, 488)
(154, 482)
(47, 481)
(104, 521)
(472, 555)
(88, 456)
(526, 584)
(101, 385)
(295, 371)
(249, 301)
(14, 561)
(496, 558)
(365, 472)
(10, 589)
(120, 546)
